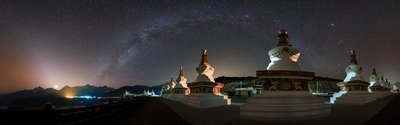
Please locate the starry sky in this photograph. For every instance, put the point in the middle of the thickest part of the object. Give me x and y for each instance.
(143, 42)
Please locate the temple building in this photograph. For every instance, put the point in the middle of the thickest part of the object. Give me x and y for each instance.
(146, 92)
(353, 90)
(204, 91)
(254, 89)
(180, 88)
(285, 94)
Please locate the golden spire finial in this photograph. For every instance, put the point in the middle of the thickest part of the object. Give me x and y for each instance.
(353, 57)
(172, 78)
(204, 60)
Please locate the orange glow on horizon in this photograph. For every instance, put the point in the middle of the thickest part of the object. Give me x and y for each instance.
(69, 96)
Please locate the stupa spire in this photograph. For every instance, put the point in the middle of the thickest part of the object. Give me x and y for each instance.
(373, 70)
(353, 57)
(172, 79)
(204, 60)
(180, 71)
(283, 38)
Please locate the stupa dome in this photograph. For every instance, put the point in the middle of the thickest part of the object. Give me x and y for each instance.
(353, 70)
(204, 70)
(284, 56)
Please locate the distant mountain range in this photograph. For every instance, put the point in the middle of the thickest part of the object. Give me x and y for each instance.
(40, 95)
(85, 90)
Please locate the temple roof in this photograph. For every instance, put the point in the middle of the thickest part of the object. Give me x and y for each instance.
(353, 57)
(283, 38)
(204, 60)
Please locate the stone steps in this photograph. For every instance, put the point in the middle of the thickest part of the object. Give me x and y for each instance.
(205, 100)
(177, 97)
(284, 105)
(356, 98)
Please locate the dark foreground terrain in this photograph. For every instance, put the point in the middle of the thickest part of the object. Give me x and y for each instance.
(155, 111)
(389, 115)
(152, 112)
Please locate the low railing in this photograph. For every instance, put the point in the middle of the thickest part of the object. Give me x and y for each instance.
(48, 114)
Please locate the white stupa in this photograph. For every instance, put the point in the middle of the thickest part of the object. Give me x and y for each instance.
(167, 85)
(374, 78)
(172, 83)
(283, 56)
(163, 88)
(353, 70)
(353, 89)
(386, 85)
(204, 70)
(181, 80)
(285, 95)
(382, 81)
(171, 87)
(377, 88)
(180, 88)
(166, 89)
(204, 92)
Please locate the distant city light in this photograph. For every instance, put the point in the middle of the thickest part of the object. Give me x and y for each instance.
(81, 97)
(68, 96)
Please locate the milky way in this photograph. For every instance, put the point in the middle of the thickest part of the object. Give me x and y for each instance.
(117, 43)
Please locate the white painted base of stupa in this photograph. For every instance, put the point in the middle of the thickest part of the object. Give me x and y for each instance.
(205, 100)
(177, 97)
(356, 98)
(284, 105)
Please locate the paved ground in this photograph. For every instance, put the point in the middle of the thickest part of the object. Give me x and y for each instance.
(162, 111)
(389, 115)
(151, 112)
(210, 116)
(230, 115)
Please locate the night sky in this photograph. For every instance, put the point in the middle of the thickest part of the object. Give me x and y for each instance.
(117, 43)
